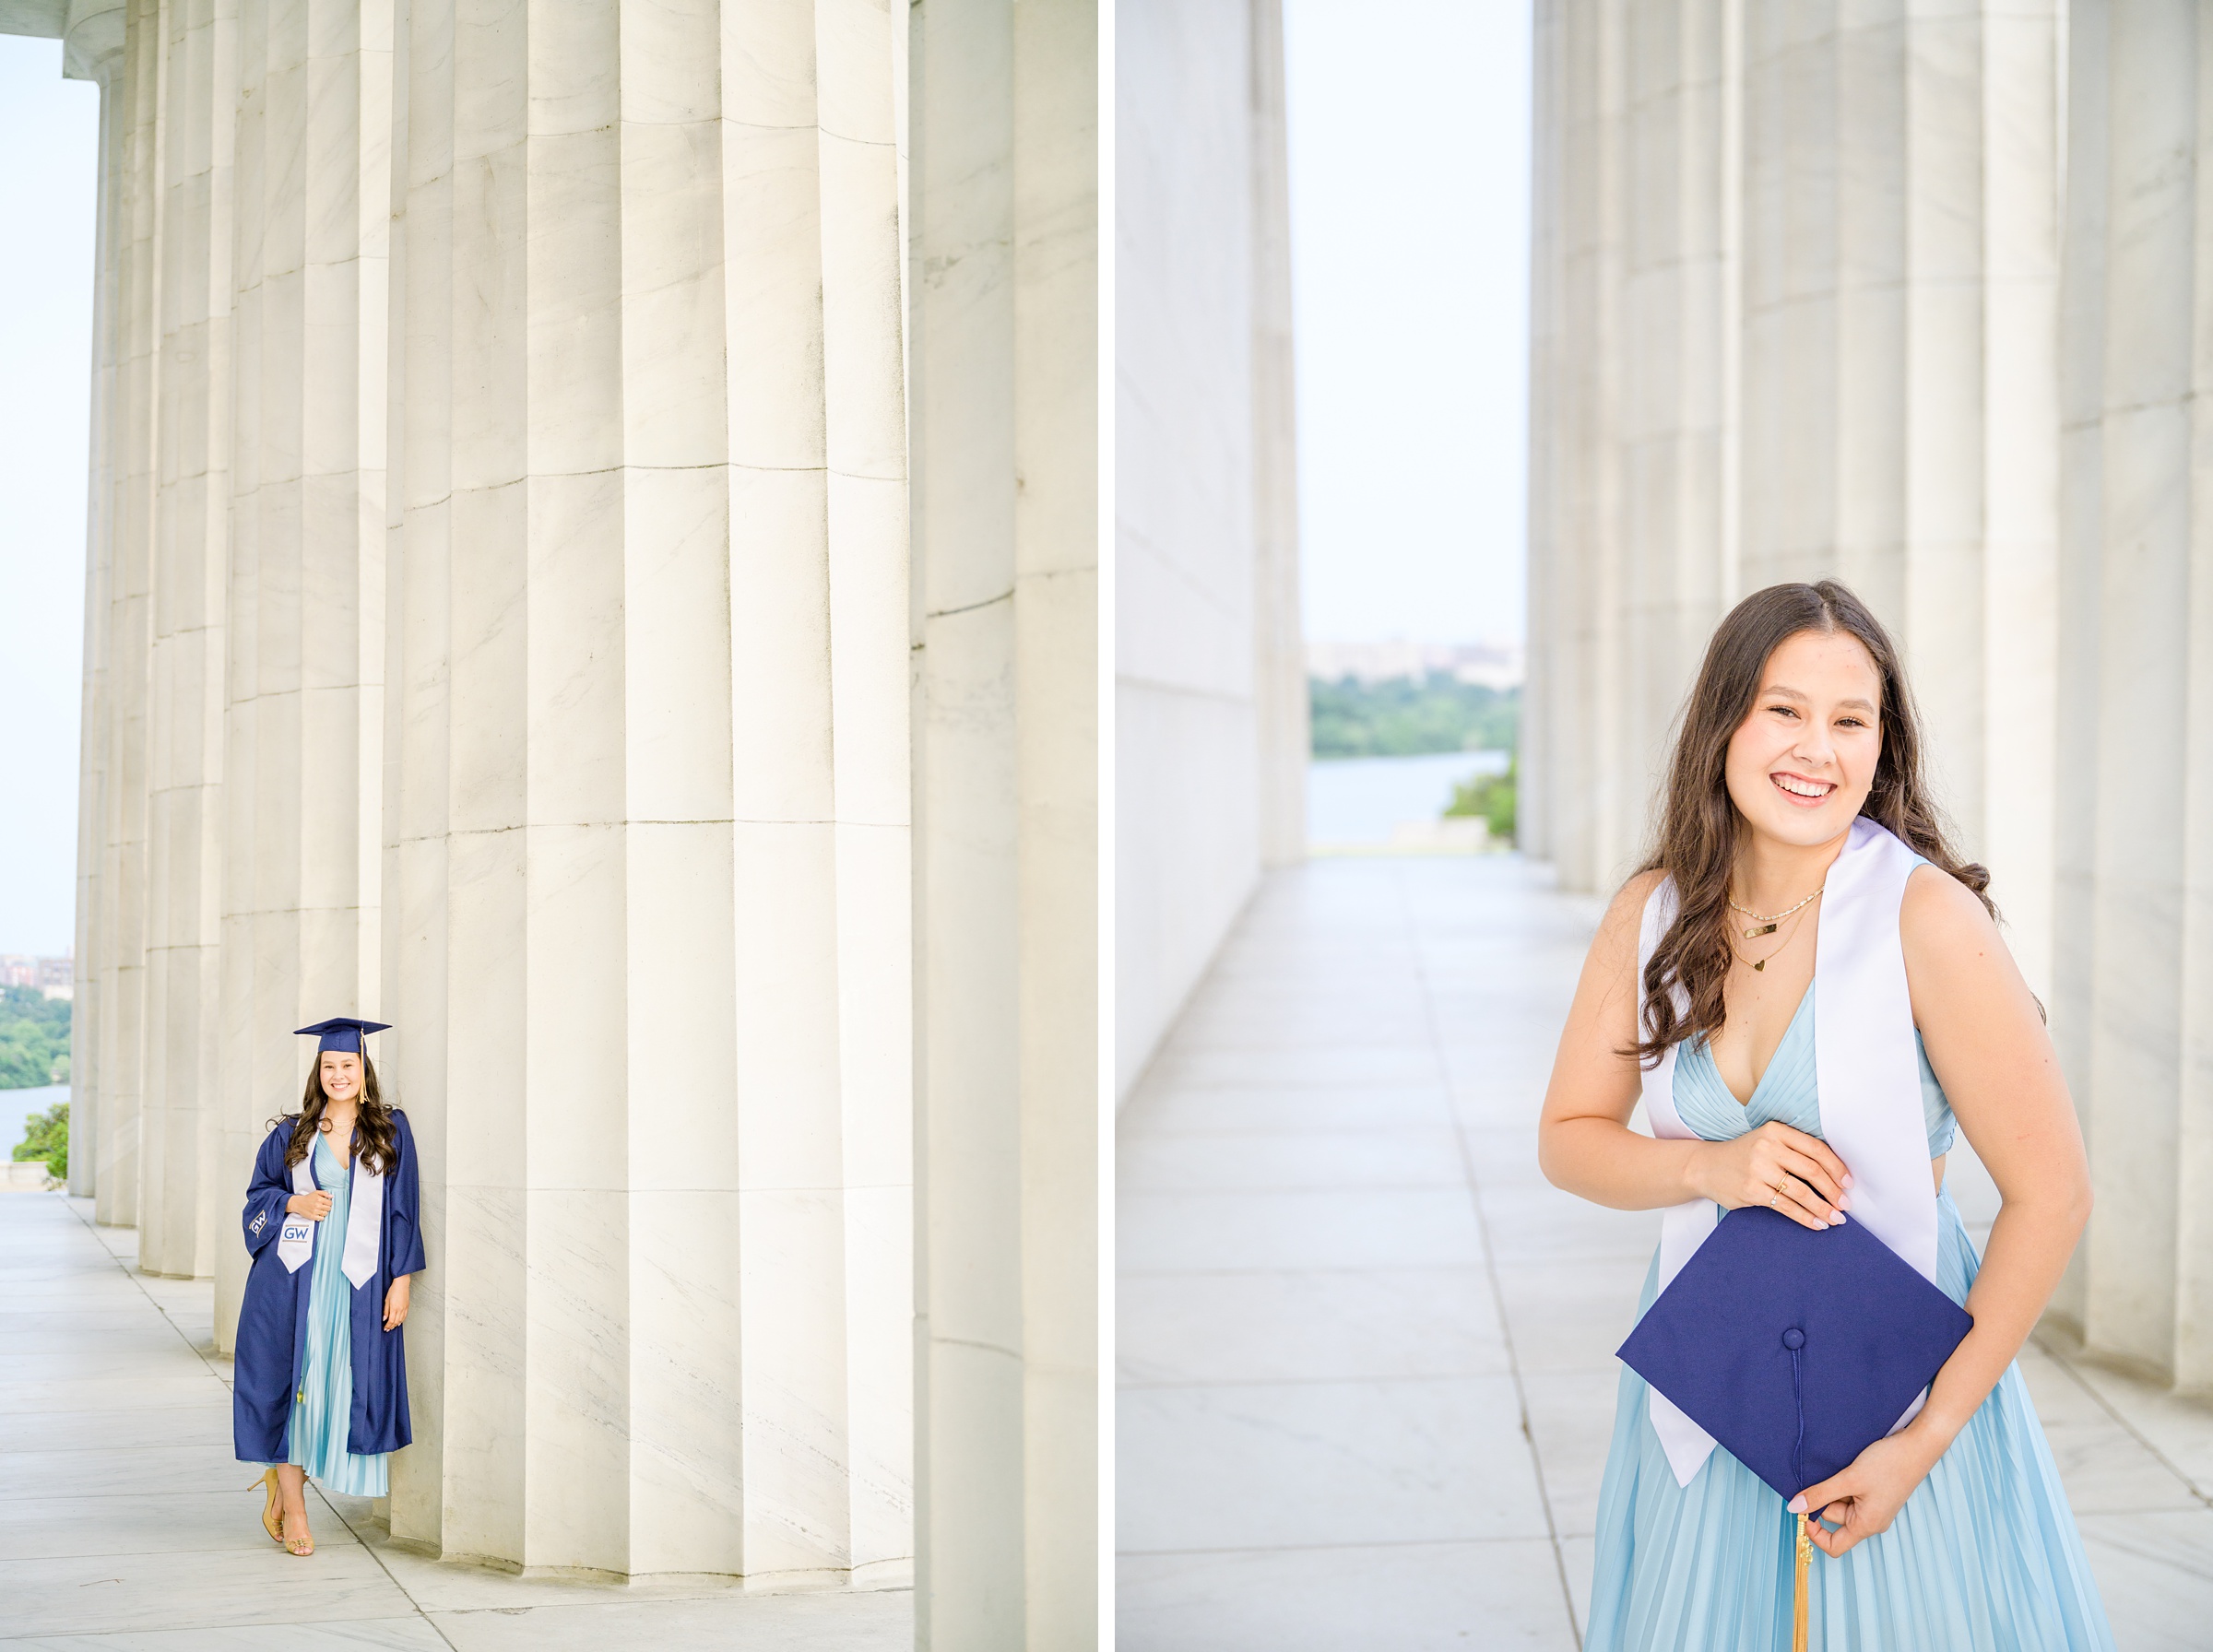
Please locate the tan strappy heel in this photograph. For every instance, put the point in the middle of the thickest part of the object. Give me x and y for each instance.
(272, 1512)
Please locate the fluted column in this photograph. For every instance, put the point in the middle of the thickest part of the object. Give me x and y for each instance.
(120, 941)
(645, 832)
(304, 698)
(93, 50)
(2136, 914)
(1587, 813)
(1003, 387)
(180, 1190)
(1900, 376)
(1675, 516)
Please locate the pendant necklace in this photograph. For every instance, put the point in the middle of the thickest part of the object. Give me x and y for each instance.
(1767, 924)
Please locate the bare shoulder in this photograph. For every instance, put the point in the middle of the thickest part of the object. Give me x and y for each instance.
(1948, 934)
(1627, 907)
(1940, 914)
(1617, 931)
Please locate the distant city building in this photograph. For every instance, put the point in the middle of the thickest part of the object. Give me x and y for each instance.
(1493, 664)
(20, 970)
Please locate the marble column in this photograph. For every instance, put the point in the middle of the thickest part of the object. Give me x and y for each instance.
(1899, 389)
(2136, 916)
(120, 935)
(1583, 815)
(92, 50)
(305, 698)
(647, 907)
(180, 1189)
(1003, 387)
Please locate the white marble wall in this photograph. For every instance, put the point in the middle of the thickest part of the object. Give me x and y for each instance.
(1210, 688)
(549, 368)
(1796, 299)
(1279, 648)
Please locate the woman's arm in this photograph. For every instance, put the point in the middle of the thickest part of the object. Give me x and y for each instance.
(1988, 1045)
(1584, 1142)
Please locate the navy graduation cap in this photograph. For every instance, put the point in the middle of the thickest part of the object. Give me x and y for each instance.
(340, 1032)
(1795, 1350)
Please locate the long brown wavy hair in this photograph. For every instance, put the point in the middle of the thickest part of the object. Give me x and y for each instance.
(1701, 830)
(375, 1134)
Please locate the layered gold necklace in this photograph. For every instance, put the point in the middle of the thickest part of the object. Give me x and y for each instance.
(1766, 923)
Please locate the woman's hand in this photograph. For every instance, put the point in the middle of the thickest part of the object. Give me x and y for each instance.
(313, 1206)
(396, 1303)
(1775, 1165)
(1866, 1497)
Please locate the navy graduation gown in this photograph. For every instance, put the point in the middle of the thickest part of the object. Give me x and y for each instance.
(272, 1321)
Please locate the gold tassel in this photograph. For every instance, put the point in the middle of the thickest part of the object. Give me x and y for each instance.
(1805, 1553)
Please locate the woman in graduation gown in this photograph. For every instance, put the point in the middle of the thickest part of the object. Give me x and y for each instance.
(1800, 746)
(332, 1221)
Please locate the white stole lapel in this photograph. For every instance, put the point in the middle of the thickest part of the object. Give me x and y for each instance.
(1868, 1068)
(296, 1238)
(364, 1223)
(1864, 1058)
(1683, 1228)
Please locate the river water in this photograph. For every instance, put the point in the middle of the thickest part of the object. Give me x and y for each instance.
(1359, 802)
(15, 1105)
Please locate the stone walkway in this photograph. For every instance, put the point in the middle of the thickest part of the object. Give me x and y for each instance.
(124, 1526)
(1366, 1349)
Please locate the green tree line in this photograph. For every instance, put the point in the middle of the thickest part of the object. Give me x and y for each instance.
(34, 1039)
(1401, 717)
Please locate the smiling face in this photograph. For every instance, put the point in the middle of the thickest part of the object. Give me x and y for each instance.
(341, 1074)
(1801, 765)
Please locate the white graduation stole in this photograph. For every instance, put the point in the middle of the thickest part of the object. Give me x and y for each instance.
(364, 1223)
(1866, 1066)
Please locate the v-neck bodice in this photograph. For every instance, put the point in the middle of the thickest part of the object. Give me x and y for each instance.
(1788, 1091)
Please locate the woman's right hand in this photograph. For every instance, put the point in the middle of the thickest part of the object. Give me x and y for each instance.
(313, 1206)
(1784, 1169)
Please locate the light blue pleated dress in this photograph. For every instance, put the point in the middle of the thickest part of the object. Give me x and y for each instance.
(1984, 1557)
(323, 1407)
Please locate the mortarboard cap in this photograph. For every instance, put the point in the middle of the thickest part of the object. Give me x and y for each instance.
(340, 1032)
(1796, 1350)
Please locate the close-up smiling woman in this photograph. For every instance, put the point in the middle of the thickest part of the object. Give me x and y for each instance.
(1808, 991)
(332, 1221)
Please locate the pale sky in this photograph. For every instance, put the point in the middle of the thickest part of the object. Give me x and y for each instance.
(1410, 144)
(50, 133)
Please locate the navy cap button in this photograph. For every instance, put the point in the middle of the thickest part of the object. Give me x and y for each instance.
(1794, 1338)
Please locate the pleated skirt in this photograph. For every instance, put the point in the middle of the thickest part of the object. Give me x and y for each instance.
(1984, 1555)
(323, 1406)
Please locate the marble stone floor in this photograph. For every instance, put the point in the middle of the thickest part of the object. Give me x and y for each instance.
(124, 1526)
(1366, 1350)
